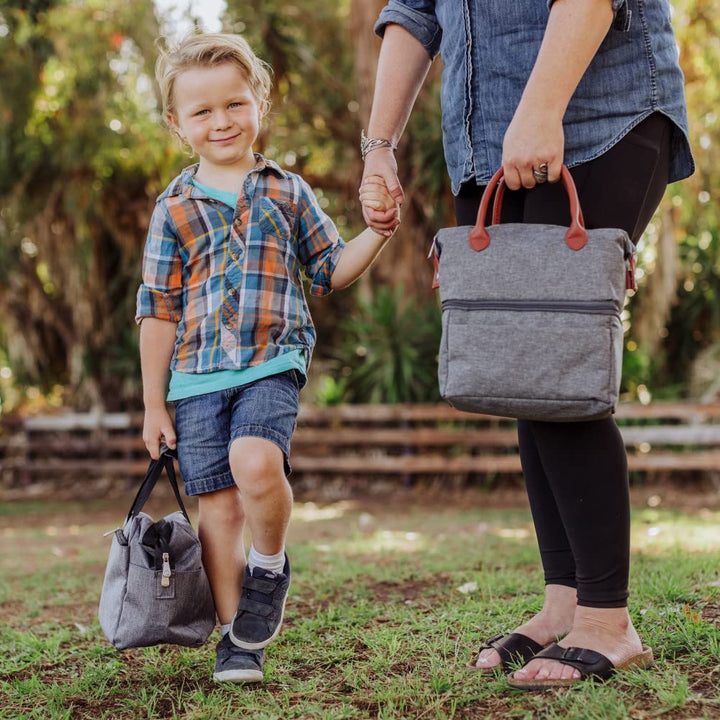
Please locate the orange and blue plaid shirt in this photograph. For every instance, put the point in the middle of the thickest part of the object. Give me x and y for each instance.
(231, 277)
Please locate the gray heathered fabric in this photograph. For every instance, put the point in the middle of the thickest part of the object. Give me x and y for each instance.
(135, 609)
(559, 366)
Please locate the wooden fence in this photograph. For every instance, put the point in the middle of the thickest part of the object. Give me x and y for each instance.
(363, 441)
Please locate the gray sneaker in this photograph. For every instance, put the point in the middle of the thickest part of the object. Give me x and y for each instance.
(235, 665)
(259, 616)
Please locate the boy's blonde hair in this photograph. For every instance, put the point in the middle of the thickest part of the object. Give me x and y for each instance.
(208, 50)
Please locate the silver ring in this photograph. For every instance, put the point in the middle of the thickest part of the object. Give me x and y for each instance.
(541, 174)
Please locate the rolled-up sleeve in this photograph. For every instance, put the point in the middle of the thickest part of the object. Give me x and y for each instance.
(417, 17)
(319, 243)
(160, 294)
(621, 11)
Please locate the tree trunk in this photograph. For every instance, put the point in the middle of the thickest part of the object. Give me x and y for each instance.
(659, 293)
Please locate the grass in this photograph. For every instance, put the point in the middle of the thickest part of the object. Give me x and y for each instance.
(375, 626)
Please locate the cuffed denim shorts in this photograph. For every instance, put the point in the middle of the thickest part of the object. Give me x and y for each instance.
(206, 426)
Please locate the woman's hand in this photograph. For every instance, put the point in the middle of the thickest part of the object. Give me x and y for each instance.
(381, 164)
(533, 139)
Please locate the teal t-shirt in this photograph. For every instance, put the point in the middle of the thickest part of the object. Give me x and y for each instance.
(185, 385)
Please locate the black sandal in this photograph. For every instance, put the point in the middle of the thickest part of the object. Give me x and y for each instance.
(590, 663)
(513, 649)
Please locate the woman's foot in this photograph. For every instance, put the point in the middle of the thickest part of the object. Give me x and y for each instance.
(553, 621)
(605, 630)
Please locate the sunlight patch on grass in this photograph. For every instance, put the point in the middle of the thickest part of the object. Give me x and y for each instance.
(309, 512)
(659, 530)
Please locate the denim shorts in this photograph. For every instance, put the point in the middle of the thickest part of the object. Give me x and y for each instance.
(206, 426)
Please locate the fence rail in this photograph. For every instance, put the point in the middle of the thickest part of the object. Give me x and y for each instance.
(362, 440)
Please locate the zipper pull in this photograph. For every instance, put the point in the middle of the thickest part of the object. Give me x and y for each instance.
(166, 570)
(630, 282)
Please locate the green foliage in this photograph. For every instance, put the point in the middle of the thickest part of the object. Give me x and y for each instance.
(388, 351)
(84, 157)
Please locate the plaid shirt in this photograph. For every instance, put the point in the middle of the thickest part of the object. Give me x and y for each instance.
(231, 277)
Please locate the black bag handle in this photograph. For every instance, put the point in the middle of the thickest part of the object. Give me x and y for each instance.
(153, 475)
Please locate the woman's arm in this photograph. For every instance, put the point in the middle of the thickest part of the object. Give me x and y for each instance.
(574, 32)
(402, 67)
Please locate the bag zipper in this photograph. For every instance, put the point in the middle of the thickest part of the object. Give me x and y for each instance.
(166, 572)
(587, 307)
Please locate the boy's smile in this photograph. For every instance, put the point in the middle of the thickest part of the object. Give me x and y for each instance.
(217, 113)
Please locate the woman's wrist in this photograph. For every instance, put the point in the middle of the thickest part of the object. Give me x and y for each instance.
(371, 143)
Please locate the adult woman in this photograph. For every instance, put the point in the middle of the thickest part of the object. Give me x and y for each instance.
(594, 84)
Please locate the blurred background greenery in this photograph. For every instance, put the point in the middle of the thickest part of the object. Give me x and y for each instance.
(83, 156)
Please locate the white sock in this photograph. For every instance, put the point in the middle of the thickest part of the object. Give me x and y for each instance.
(274, 563)
(225, 629)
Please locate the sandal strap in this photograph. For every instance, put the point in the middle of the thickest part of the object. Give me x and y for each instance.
(588, 662)
(512, 648)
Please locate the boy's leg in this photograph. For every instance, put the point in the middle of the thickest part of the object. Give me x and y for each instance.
(220, 528)
(203, 428)
(258, 468)
(263, 423)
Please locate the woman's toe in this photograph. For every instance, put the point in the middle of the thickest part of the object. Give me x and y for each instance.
(569, 673)
(533, 668)
(487, 659)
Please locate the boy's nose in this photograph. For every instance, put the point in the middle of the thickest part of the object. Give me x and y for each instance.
(222, 120)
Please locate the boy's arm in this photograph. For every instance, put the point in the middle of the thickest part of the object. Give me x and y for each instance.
(157, 341)
(357, 256)
(159, 309)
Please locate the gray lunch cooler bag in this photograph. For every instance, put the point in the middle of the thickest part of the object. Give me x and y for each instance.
(155, 589)
(531, 324)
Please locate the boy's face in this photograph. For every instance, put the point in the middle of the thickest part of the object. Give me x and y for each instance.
(217, 113)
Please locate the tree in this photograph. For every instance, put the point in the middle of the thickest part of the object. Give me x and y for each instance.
(83, 155)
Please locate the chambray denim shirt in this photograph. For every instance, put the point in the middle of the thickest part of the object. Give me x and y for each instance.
(488, 49)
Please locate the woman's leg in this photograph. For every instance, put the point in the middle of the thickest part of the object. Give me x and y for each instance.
(556, 616)
(582, 506)
(585, 463)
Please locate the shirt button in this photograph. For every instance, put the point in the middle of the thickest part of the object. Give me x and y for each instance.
(232, 292)
(234, 256)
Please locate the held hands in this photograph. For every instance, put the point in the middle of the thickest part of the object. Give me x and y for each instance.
(533, 148)
(380, 209)
(158, 426)
(380, 165)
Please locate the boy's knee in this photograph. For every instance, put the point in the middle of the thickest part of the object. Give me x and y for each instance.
(257, 465)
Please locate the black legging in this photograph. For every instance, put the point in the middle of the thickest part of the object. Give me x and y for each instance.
(576, 473)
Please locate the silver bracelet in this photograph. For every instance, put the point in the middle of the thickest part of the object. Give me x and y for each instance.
(369, 144)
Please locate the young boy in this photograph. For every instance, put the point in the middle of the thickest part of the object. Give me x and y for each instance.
(222, 305)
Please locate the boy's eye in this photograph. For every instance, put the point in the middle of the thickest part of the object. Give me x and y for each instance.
(201, 112)
(236, 104)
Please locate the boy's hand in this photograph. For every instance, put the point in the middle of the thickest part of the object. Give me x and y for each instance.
(158, 426)
(374, 195)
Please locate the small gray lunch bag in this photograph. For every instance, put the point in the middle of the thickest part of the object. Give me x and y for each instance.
(155, 589)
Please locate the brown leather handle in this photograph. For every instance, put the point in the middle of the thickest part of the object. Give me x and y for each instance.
(575, 237)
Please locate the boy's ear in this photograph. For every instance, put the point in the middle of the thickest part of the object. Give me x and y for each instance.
(171, 122)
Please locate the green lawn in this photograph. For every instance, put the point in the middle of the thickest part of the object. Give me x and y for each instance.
(376, 626)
